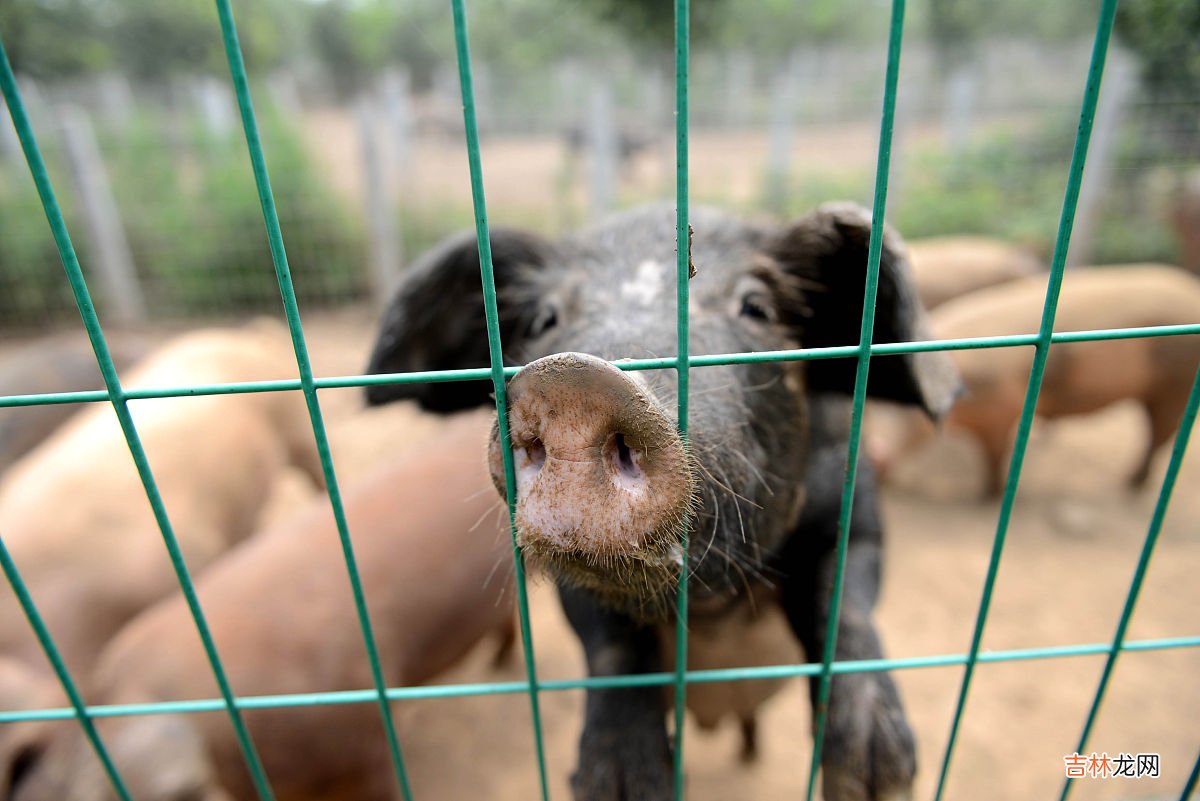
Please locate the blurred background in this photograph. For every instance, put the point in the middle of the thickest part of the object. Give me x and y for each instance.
(359, 103)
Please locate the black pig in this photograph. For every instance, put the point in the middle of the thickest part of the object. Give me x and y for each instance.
(604, 482)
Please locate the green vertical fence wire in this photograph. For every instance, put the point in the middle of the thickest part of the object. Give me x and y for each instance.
(266, 198)
(8, 87)
(875, 250)
(1139, 574)
(496, 355)
(112, 383)
(60, 668)
(1193, 780)
(1087, 115)
(683, 248)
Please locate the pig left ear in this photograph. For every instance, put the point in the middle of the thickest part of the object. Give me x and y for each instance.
(826, 252)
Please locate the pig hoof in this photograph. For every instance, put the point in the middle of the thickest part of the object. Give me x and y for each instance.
(624, 768)
(749, 752)
(621, 783)
(870, 754)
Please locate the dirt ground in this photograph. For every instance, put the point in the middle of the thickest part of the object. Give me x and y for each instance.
(1071, 551)
(532, 178)
(1072, 546)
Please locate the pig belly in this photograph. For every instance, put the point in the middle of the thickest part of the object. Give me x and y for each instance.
(744, 637)
(1085, 377)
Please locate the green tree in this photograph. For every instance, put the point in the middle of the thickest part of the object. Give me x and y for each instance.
(1165, 35)
(650, 24)
(355, 39)
(157, 39)
(49, 39)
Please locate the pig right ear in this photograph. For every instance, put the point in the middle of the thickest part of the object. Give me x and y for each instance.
(435, 320)
(827, 252)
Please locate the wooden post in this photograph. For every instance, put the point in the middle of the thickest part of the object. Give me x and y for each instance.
(397, 102)
(216, 106)
(601, 137)
(121, 291)
(381, 213)
(958, 114)
(1119, 83)
(117, 103)
(785, 96)
(285, 93)
(739, 88)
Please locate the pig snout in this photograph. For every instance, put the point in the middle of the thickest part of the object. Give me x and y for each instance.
(603, 478)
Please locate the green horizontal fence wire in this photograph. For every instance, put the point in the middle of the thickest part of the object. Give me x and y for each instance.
(1070, 201)
(683, 248)
(1187, 420)
(707, 360)
(266, 198)
(91, 322)
(603, 682)
(875, 250)
(497, 373)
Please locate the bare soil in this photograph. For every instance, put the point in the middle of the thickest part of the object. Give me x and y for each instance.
(528, 177)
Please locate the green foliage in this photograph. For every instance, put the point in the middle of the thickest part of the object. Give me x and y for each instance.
(197, 229)
(1011, 187)
(1002, 186)
(53, 39)
(1165, 35)
(194, 225)
(351, 39)
(650, 24)
(157, 39)
(33, 287)
(775, 28)
(955, 26)
(1005, 185)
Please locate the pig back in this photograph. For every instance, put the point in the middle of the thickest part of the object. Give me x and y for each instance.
(50, 366)
(74, 512)
(946, 267)
(1080, 376)
(432, 545)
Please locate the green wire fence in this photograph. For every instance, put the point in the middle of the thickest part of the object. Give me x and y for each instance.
(497, 373)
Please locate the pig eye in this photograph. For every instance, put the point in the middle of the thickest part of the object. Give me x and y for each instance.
(757, 306)
(545, 319)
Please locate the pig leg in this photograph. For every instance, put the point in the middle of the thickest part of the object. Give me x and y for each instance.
(1164, 412)
(749, 740)
(506, 645)
(996, 444)
(869, 753)
(624, 753)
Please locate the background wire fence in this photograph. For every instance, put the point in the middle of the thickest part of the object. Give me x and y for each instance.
(339, 284)
(368, 169)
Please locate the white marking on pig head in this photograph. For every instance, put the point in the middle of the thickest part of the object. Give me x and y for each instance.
(646, 285)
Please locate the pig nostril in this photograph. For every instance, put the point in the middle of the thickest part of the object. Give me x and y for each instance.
(626, 461)
(534, 453)
(624, 457)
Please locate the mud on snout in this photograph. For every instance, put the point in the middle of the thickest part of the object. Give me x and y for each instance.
(604, 481)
